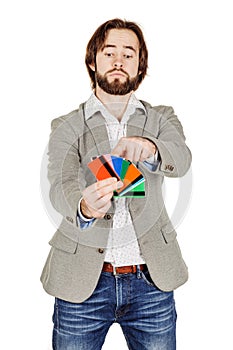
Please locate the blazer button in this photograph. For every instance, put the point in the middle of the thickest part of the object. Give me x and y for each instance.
(107, 216)
(101, 250)
(68, 218)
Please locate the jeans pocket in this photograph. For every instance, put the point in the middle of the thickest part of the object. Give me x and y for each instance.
(147, 278)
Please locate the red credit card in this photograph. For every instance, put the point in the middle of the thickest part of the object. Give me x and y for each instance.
(101, 168)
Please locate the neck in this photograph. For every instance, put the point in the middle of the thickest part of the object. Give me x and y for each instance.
(115, 104)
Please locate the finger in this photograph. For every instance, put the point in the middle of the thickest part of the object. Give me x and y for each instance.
(145, 154)
(137, 153)
(133, 151)
(129, 152)
(109, 188)
(105, 194)
(110, 181)
(91, 190)
(103, 201)
(100, 203)
(94, 206)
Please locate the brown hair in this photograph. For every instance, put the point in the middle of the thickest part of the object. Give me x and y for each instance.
(97, 41)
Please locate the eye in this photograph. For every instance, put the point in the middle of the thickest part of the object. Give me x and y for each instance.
(128, 56)
(109, 54)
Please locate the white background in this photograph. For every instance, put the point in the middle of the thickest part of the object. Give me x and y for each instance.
(43, 76)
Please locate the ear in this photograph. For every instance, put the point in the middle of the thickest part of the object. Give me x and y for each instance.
(92, 66)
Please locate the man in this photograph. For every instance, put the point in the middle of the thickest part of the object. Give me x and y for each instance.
(114, 259)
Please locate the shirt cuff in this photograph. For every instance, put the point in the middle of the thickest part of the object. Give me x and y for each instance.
(81, 220)
(152, 162)
(80, 213)
(153, 159)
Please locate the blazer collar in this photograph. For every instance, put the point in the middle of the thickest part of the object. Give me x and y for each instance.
(93, 105)
(96, 123)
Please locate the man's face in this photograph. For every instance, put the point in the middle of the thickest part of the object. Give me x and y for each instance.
(117, 62)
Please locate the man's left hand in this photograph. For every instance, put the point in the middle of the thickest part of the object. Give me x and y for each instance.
(134, 148)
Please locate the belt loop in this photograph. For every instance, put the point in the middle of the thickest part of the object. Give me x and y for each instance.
(138, 272)
(114, 270)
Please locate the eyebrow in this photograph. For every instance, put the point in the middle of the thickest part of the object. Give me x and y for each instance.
(125, 47)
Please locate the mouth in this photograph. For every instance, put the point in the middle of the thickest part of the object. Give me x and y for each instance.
(117, 74)
(120, 74)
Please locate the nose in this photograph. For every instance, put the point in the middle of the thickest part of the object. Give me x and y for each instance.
(118, 63)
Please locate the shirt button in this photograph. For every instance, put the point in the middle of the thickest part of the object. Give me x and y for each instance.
(101, 250)
(107, 216)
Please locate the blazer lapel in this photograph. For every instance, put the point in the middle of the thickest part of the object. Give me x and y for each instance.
(136, 124)
(97, 127)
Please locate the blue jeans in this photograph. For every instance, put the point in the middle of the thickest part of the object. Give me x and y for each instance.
(146, 315)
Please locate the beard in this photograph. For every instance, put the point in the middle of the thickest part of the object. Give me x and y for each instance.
(116, 87)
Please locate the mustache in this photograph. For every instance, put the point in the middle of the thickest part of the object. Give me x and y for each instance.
(118, 70)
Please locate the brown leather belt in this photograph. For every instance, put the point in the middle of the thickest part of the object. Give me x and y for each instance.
(107, 267)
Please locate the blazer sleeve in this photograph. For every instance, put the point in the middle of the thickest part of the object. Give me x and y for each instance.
(64, 172)
(174, 155)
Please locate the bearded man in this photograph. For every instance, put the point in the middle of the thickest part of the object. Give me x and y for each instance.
(114, 258)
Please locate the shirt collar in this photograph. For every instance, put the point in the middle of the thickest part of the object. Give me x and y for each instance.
(94, 105)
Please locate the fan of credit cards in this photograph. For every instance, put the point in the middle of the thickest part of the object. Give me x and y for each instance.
(124, 170)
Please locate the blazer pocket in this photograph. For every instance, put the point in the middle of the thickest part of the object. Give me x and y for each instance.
(61, 242)
(168, 232)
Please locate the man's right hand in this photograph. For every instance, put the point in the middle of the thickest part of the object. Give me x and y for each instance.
(97, 197)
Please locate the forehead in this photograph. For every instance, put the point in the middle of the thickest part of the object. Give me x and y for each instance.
(122, 38)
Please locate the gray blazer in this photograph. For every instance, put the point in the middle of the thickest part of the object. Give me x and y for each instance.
(76, 257)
